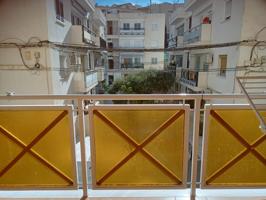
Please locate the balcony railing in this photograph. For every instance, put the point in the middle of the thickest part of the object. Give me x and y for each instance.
(189, 77)
(200, 33)
(132, 65)
(91, 79)
(196, 79)
(132, 31)
(175, 41)
(100, 73)
(80, 34)
(154, 137)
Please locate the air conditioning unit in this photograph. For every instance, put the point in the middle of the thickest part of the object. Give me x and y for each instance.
(74, 59)
(209, 59)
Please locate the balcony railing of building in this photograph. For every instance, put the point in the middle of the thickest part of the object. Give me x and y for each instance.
(153, 136)
(189, 77)
(132, 31)
(175, 41)
(102, 43)
(91, 78)
(200, 33)
(132, 65)
(88, 35)
(100, 73)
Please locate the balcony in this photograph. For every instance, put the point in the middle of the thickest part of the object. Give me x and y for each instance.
(200, 34)
(100, 73)
(91, 79)
(88, 35)
(132, 66)
(193, 79)
(176, 41)
(100, 42)
(132, 31)
(153, 137)
(79, 35)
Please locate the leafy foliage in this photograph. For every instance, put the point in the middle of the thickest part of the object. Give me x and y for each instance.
(144, 82)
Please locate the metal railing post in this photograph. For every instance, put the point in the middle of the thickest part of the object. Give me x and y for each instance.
(194, 168)
(82, 148)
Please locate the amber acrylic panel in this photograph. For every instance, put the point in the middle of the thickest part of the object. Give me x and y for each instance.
(36, 148)
(139, 148)
(234, 148)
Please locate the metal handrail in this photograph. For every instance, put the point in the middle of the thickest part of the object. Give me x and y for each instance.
(197, 98)
(89, 31)
(182, 96)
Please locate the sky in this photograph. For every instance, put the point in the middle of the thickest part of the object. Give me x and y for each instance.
(138, 2)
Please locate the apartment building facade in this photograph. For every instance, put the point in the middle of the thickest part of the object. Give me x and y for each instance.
(45, 47)
(214, 22)
(130, 28)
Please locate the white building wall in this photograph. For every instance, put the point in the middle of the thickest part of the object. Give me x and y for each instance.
(57, 30)
(154, 38)
(247, 18)
(25, 19)
(30, 11)
(224, 31)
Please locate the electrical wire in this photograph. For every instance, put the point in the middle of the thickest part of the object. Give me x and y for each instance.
(23, 61)
(119, 49)
(260, 31)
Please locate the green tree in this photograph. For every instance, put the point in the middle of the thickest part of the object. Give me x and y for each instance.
(145, 82)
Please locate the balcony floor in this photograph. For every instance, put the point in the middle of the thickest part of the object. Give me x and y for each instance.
(256, 194)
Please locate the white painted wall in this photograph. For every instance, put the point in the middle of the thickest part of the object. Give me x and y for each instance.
(154, 38)
(247, 18)
(21, 20)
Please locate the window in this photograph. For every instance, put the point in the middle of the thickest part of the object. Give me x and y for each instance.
(137, 60)
(109, 27)
(188, 61)
(222, 64)
(126, 26)
(75, 20)
(110, 45)
(154, 61)
(179, 61)
(228, 9)
(59, 10)
(190, 23)
(111, 64)
(128, 61)
(110, 79)
(137, 26)
(154, 27)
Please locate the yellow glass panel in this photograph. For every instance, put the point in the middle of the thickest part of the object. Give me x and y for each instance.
(223, 148)
(55, 149)
(138, 171)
